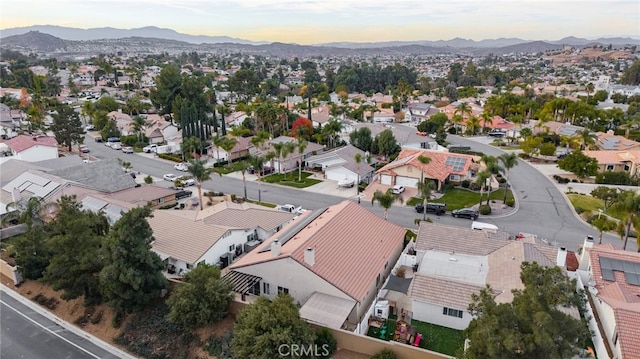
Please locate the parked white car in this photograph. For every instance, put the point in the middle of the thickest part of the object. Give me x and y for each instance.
(188, 181)
(127, 149)
(170, 177)
(116, 146)
(397, 189)
(182, 166)
(150, 148)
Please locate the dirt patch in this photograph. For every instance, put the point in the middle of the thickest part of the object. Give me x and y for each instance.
(217, 330)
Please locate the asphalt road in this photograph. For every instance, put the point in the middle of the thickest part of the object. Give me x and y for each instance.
(543, 210)
(27, 334)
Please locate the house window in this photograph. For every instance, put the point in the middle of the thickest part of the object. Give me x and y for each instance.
(189, 266)
(265, 288)
(232, 247)
(609, 168)
(255, 289)
(452, 312)
(627, 168)
(160, 200)
(283, 290)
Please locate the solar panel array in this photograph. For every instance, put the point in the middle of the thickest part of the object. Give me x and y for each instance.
(456, 162)
(610, 143)
(631, 269)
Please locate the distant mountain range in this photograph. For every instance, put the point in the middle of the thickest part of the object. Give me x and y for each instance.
(76, 34)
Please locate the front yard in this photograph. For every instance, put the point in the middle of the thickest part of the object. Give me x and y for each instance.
(457, 198)
(291, 179)
(586, 203)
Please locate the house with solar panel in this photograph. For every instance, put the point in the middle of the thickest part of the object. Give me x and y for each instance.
(612, 279)
(407, 169)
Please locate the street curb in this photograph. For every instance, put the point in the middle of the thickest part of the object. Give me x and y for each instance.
(66, 325)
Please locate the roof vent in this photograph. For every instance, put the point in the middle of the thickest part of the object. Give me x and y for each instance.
(276, 248)
(310, 256)
(453, 259)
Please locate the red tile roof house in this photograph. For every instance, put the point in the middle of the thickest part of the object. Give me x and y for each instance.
(33, 149)
(329, 264)
(612, 277)
(407, 170)
(453, 263)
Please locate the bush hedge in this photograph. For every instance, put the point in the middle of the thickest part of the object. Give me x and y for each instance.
(485, 210)
(510, 202)
(170, 157)
(561, 179)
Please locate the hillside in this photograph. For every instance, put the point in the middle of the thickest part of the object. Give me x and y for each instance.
(34, 40)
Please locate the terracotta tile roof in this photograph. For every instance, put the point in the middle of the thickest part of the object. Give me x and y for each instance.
(23, 142)
(613, 157)
(142, 195)
(628, 326)
(182, 238)
(497, 123)
(347, 255)
(437, 168)
(434, 236)
(608, 141)
(440, 291)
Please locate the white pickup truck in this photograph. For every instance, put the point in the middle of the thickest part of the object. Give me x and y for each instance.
(291, 209)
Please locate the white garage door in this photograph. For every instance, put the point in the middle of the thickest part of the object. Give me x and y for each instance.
(407, 181)
(339, 173)
(385, 179)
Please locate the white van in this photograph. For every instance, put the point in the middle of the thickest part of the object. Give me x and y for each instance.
(484, 226)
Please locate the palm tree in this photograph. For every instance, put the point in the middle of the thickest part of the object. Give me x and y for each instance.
(462, 109)
(425, 161)
(473, 124)
(590, 87)
(486, 118)
(509, 160)
(139, 124)
(277, 149)
(259, 139)
(358, 159)
(602, 224)
(288, 148)
(302, 145)
(243, 166)
(425, 188)
(257, 161)
(227, 145)
(189, 146)
(586, 137)
(629, 203)
(200, 173)
(386, 199)
(481, 180)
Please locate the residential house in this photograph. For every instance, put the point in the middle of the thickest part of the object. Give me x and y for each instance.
(242, 148)
(236, 118)
(330, 266)
(33, 148)
(123, 122)
(418, 112)
(610, 142)
(405, 136)
(340, 164)
(155, 196)
(218, 235)
(500, 124)
(452, 109)
(407, 170)
(320, 116)
(617, 161)
(383, 115)
(612, 277)
(290, 162)
(558, 128)
(106, 176)
(452, 263)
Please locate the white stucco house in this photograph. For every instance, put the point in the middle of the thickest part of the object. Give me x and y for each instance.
(334, 280)
(218, 235)
(33, 148)
(340, 164)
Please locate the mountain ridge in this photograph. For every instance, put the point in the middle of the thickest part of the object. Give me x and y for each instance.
(102, 33)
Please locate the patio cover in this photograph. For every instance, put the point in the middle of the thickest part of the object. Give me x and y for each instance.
(241, 282)
(327, 310)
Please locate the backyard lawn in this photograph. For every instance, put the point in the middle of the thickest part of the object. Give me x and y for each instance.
(457, 198)
(439, 339)
(291, 179)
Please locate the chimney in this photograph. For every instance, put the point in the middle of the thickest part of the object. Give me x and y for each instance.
(588, 243)
(561, 258)
(276, 248)
(310, 256)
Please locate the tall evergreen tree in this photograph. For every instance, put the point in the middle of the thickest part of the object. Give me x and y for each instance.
(67, 126)
(133, 276)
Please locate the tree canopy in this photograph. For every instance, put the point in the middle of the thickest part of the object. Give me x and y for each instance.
(201, 299)
(533, 324)
(67, 126)
(579, 164)
(132, 277)
(262, 327)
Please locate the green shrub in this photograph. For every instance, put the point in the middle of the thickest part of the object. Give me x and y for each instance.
(148, 179)
(466, 184)
(384, 354)
(510, 202)
(170, 157)
(617, 178)
(579, 210)
(485, 210)
(220, 347)
(325, 340)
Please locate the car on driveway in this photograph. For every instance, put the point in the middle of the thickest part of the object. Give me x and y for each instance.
(84, 149)
(127, 149)
(397, 189)
(188, 181)
(182, 166)
(150, 148)
(437, 208)
(170, 177)
(183, 194)
(466, 213)
(116, 146)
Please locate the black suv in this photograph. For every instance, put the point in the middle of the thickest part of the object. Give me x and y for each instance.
(466, 213)
(437, 208)
(183, 194)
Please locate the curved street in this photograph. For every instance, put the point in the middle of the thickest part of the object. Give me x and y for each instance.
(543, 210)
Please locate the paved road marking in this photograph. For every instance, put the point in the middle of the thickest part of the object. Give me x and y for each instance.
(49, 330)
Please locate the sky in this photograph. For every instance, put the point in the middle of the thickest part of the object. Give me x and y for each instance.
(323, 21)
